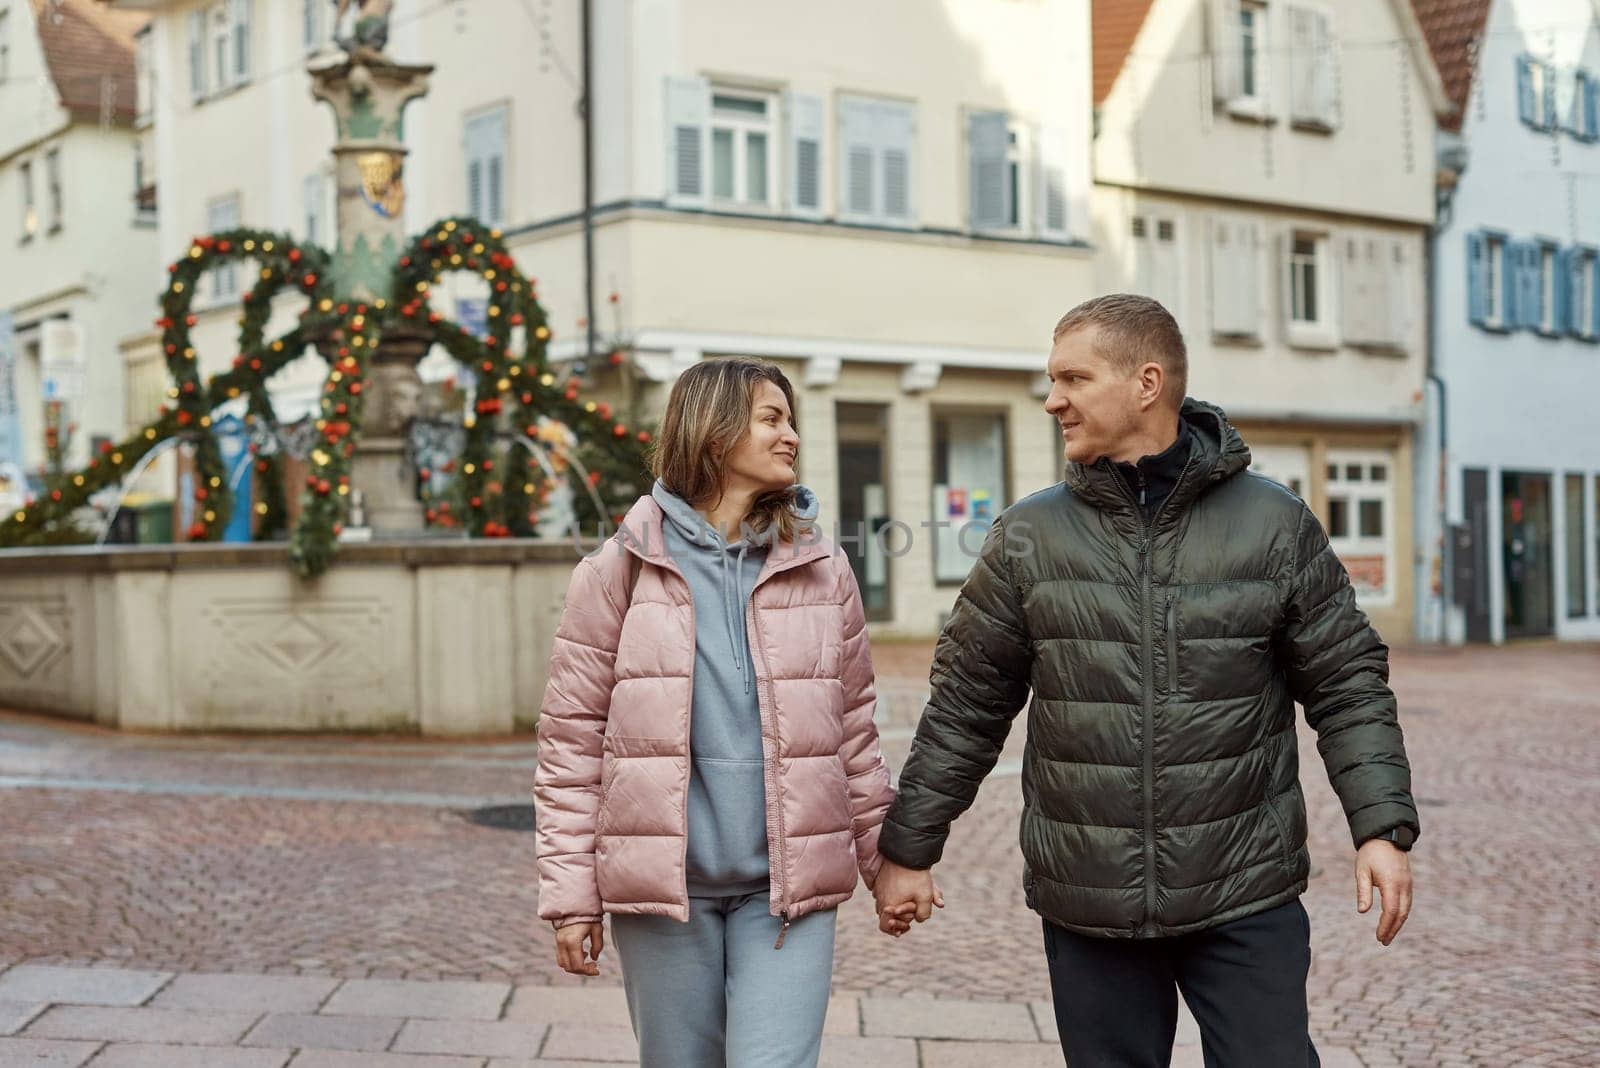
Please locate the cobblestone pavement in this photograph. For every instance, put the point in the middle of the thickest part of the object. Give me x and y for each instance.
(352, 859)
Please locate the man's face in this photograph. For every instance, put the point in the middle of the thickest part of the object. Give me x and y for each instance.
(1097, 407)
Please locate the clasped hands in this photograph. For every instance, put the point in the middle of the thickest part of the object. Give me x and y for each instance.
(902, 895)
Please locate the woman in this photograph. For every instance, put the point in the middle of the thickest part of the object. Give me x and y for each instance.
(709, 772)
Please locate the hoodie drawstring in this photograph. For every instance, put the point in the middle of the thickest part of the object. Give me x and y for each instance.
(733, 611)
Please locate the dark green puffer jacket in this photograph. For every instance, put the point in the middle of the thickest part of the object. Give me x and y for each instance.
(1161, 778)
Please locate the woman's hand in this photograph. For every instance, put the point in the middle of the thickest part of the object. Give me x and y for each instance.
(569, 948)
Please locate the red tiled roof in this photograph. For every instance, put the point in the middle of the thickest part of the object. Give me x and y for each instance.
(1452, 27)
(89, 49)
(1115, 25)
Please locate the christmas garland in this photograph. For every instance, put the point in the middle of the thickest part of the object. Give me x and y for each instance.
(498, 492)
(497, 502)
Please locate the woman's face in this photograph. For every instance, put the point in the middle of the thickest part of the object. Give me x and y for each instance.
(764, 458)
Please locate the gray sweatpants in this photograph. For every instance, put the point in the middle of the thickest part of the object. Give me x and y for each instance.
(713, 991)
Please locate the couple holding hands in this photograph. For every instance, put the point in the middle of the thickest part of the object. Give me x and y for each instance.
(709, 773)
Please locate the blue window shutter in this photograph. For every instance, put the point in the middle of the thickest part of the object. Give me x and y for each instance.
(1525, 89)
(1477, 268)
(1591, 108)
(1562, 288)
(1594, 298)
(1551, 120)
(1516, 285)
(1530, 303)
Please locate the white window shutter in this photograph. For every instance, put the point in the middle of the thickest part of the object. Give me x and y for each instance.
(1354, 287)
(988, 139)
(197, 55)
(1219, 257)
(1329, 105)
(1255, 304)
(688, 137)
(805, 122)
(1050, 186)
(896, 126)
(858, 161)
(1303, 66)
(1284, 243)
(1401, 294)
(1227, 59)
(1165, 277)
(1236, 258)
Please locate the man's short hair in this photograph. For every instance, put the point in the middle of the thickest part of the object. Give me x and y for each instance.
(1134, 331)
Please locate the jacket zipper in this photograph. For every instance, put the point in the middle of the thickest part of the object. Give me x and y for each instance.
(1147, 625)
(775, 842)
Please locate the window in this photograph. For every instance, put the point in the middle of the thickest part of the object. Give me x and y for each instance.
(969, 476)
(30, 215)
(221, 46)
(318, 194)
(1237, 248)
(875, 177)
(1360, 505)
(198, 82)
(1492, 281)
(144, 187)
(485, 138)
(1577, 541)
(1548, 280)
(742, 131)
(52, 171)
(1536, 98)
(144, 76)
(1578, 103)
(240, 18)
(1252, 48)
(1303, 280)
(222, 215)
(1016, 177)
(1307, 290)
(316, 25)
(1583, 294)
(1312, 61)
(1156, 267)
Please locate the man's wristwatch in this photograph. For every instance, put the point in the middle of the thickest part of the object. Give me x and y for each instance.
(1400, 837)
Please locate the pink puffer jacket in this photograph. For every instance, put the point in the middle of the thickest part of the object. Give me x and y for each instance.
(612, 783)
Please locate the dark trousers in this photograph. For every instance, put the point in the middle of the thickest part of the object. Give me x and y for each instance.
(1116, 999)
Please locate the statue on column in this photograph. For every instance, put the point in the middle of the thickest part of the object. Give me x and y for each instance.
(371, 28)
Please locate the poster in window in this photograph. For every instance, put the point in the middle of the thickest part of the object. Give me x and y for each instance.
(956, 503)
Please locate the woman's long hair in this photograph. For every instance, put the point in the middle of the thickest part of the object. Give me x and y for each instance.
(708, 414)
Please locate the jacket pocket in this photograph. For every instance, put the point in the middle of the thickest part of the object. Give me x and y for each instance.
(1172, 645)
(1283, 837)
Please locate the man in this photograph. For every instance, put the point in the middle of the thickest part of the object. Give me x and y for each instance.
(1166, 607)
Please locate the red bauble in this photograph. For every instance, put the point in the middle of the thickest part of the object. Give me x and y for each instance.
(476, 502)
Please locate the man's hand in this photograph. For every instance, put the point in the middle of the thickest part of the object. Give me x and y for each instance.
(1381, 863)
(903, 894)
(569, 948)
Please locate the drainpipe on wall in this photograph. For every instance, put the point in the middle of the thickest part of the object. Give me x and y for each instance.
(586, 110)
(1451, 164)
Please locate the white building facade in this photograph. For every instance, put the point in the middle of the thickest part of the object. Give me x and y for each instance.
(1263, 167)
(1518, 325)
(897, 214)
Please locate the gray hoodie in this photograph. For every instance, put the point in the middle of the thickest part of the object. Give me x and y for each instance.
(727, 848)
